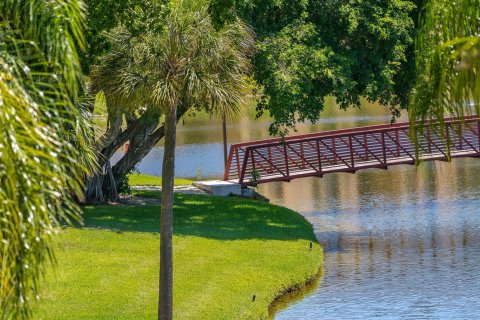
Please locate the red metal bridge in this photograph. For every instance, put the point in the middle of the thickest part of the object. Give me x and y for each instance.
(350, 150)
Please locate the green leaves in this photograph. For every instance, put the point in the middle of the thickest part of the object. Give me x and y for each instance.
(136, 16)
(45, 140)
(296, 74)
(189, 63)
(312, 49)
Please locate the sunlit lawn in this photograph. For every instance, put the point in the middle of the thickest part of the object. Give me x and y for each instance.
(225, 251)
(136, 179)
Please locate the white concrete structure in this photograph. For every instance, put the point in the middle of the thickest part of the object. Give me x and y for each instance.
(219, 187)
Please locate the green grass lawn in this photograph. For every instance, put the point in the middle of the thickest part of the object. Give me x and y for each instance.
(225, 251)
(137, 179)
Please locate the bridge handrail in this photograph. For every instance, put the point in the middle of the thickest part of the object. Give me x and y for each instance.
(340, 132)
(242, 150)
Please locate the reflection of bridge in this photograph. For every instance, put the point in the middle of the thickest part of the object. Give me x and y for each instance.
(349, 150)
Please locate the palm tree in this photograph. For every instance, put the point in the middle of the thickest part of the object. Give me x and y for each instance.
(187, 64)
(44, 140)
(448, 61)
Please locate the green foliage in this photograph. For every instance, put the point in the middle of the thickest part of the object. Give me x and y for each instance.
(187, 64)
(45, 140)
(222, 12)
(136, 16)
(348, 49)
(225, 251)
(448, 61)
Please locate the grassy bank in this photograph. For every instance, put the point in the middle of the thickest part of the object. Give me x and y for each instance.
(225, 251)
(137, 179)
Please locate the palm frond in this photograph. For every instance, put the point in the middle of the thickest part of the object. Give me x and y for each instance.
(45, 140)
(187, 63)
(448, 64)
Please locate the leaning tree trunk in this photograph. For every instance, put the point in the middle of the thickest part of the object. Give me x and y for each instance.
(165, 304)
(136, 153)
(142, 134)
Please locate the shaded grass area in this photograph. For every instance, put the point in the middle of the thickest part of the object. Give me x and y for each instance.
(225, 251)
(138, 179)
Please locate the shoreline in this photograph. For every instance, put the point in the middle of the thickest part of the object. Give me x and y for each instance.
(295, 292)
(298, 291)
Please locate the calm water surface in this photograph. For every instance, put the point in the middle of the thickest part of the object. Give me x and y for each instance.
(400, 244)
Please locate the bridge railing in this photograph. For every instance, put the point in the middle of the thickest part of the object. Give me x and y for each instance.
(349, 150)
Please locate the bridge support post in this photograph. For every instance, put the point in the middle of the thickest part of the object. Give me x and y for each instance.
(384, 150)
(319, 155)
(286, 160)
(351, 152)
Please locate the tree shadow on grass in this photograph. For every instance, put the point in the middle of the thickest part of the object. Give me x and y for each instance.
(205, 216)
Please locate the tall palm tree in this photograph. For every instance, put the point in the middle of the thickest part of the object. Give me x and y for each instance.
(187, 64)
(44, 140)
(448, 61)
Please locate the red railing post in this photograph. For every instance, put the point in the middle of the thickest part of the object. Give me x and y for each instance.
(229, 163)
(238, 161)
(448, 150)
(334, 151)
(244, 166)
(365, 141)
(384, 149)
(398, 142)
(270, 159)
(429, 139)
(478, 133)
(319, 158)
(351, 151)
(286, 160)
(460, 135)
(302, 154)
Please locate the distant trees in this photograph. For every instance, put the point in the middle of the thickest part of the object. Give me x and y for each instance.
(45, 140)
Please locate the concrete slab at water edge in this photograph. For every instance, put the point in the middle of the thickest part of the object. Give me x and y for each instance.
(219, 187)
(212, 187)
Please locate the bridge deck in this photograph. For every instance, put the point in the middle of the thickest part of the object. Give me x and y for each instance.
(349, 150)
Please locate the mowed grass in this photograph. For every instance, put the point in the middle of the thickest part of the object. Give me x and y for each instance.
(137, 179)
(225, 251)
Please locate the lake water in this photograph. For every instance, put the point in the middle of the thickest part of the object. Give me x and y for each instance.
(402, 243)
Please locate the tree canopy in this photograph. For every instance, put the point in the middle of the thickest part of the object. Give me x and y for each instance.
(348, 49)
(136, 16)
(311, 49)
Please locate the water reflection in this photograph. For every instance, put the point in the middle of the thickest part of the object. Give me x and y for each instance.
(402, 243)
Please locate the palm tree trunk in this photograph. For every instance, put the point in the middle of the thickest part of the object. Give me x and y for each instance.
(165, 304)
